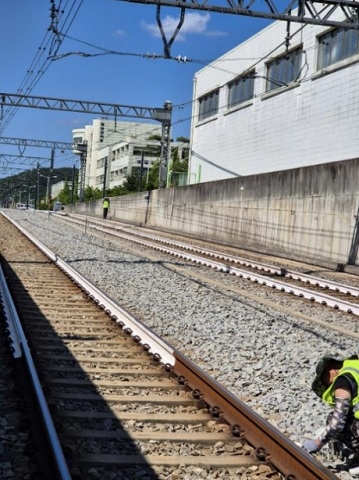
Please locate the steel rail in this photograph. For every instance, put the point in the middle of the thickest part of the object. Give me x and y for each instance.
(317, 297)
(21, 343)
(301, 292)
(270, 444)
(270, 269)
(320, 282)
(10, 316)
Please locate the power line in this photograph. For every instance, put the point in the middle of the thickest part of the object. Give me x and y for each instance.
(41, 61)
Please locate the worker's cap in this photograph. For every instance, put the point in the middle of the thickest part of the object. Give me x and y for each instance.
(319, 385)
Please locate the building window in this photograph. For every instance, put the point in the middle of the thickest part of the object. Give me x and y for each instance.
(337, 45)
(101, 162)
(284, 70)
(241, 90)
(208, 105)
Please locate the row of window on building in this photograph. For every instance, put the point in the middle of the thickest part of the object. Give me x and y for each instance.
(334, 46)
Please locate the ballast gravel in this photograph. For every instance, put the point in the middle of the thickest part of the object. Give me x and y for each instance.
(263, 356)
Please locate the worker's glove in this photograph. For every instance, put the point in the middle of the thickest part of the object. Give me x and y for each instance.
(310, 446)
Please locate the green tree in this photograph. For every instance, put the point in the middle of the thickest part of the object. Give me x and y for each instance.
(158, 138)
(134, 182)
(153, 175)
(178, 170)
(91, 193)
(182, 139)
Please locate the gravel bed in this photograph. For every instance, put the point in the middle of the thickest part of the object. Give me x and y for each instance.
(262, 355)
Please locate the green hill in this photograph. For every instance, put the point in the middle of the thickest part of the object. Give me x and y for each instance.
(16, 186)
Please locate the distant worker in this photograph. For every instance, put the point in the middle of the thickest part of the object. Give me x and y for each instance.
(105, 206)
(337, 384)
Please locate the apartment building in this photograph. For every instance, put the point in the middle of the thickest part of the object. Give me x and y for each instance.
(277, 102)
(115, 148)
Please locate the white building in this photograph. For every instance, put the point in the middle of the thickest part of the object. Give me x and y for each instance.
(57, 188)
(115, 148)
(266, 107)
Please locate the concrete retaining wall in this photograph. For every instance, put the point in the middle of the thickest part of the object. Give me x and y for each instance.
(308, 214)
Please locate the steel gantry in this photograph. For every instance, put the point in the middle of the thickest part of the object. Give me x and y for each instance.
(21, 159)
(162, 115)
(28, 142)
(333, 13)
(316, 12)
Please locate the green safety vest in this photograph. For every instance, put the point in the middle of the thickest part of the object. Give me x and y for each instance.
(352, 367)
(106, 204)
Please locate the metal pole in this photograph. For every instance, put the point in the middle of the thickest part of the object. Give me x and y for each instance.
(141, 171)
(104, 180)
(82, 172)
(165, 143)
(73, 184)
(47, 190)
(37, 198)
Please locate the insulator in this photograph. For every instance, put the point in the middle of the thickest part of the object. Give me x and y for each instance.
(114, 318)
(120, 323)
(136, 339)
(168, 367)
(146, 347)
(156, 357)
(108, 312)
(128, 330)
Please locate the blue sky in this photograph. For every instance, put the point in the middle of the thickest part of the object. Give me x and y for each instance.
(84, 70)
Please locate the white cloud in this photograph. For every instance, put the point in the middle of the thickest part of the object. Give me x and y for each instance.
(120, 33)
(194, 24)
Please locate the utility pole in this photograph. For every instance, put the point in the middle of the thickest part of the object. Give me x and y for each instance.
(165, 118)
(141, 170)
(104, 180)
(52, 159)
(73, 184)
(81, 149)
(37, 196)
(48, 189)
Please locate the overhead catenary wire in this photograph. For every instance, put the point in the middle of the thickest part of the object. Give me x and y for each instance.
(41, 61)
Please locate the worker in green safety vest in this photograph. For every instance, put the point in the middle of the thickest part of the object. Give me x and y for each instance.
(337, 384)
(105, 206)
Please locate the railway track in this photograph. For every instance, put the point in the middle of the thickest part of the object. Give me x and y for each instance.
(315, 289)
(124, 403)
